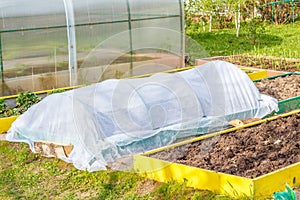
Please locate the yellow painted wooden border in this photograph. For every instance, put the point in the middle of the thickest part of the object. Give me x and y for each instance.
(43, 91)
(266, 185)
(220, 183)
(167, 71)
(236, 186)
(6, 122)
(256, 74)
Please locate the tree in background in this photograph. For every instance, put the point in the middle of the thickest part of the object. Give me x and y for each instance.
(280, 12)
(206, 10)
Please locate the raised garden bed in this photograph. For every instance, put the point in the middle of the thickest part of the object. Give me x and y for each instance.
(249, 152)
(262, 62)
(285, 88)
(255, 161)
(280, 87)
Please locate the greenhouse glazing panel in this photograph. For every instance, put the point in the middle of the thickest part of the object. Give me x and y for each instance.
(155, 8)
(104, 39)
(160, 40)
(19, 15)
(130, 49)
(34, 60)
(168, 16)
(108, 38)
(157, 33)
(100, 55)
(99, 11)
(33, 45)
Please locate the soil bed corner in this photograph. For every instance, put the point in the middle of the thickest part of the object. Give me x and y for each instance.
(280, 88)
(249, 152)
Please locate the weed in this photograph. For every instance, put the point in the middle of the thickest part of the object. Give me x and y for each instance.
(11, 112)
(3, 107)
(25, 100)
(54, 91)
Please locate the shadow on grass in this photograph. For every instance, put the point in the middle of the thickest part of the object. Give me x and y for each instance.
(226, 43)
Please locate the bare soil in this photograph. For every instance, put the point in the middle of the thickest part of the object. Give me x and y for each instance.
(280, 88)
(147, 186)
(249, 152)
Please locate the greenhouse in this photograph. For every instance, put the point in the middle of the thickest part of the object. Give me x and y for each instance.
(59, 43)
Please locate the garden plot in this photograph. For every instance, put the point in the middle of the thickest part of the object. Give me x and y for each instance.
(239, 162)
(266, 62)
(249, 152)
(282, 87)
(262, 62)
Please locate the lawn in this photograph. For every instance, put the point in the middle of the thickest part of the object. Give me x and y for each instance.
(277, 40)
(24, 175)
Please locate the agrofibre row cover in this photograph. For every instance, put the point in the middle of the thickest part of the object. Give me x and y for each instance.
(115, 119)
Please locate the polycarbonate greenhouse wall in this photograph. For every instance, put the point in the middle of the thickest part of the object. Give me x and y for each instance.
(58, 43)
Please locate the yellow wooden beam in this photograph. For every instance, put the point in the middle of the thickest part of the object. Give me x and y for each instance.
(220, 183)
(6, 122)
(255, 74)
(167, 71)
(43, 91)
(275, 181)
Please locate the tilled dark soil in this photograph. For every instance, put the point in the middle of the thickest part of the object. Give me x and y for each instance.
(280, 88)
(249, 152)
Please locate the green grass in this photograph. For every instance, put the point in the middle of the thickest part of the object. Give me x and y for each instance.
(277, 40)
(24, 175)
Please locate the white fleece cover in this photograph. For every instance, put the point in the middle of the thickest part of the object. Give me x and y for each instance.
(118, 118)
